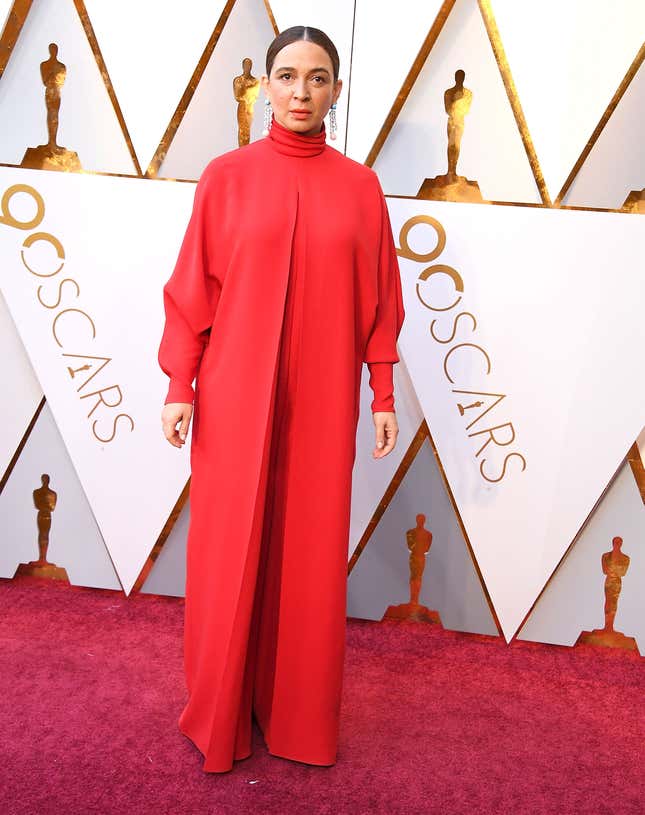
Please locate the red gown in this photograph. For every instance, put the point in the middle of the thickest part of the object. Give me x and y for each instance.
(286, 282)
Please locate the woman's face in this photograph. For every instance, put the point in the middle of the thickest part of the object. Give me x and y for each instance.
(301, 86)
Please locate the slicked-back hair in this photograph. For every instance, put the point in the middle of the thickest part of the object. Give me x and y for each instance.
(309, 34)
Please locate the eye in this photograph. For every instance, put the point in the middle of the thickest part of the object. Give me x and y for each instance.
(320, 79)
(286, 75)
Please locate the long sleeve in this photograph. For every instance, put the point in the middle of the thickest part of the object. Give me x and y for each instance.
(190, 299)
(381, 352)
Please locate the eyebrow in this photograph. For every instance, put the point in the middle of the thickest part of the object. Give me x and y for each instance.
(312, 71)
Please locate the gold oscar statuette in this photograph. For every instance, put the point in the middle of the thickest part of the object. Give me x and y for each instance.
(614, 565)
(418, 540)
(246, 88)
(45, 503)
(635, 202)
(453, 187)
(52, 156)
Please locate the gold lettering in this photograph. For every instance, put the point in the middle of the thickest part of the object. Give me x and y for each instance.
(407, 252)
(464, 345)
(67, 311)
(454, 327)
(499, 396)
(492, 438)
(101, 400)
(114, 424)
(508, 458)
(8, 218)
(453, 274)
(43, 236)
(104, 360)
(60, 293)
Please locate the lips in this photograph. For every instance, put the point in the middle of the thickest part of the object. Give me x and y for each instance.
(299, 110)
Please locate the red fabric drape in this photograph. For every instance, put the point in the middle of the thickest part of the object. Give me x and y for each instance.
(286, 282)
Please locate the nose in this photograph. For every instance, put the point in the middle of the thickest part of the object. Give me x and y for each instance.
(300, 90)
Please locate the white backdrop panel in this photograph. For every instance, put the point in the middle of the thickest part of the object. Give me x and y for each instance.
(22, 390)
(450, 583)
(75, 542)
(209, 126)
(382, 28)
(151, 49)
(567, 60)
(574, 600)
(121, 238)
(87, 121)
(5, 7)
(616, 164)
(555, 300)
(492, 151)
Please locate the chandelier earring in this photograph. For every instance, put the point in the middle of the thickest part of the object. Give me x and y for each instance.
(333, 126)
(268, 113)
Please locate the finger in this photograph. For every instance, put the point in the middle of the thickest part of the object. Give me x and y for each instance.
(390, 433)
(171, 434)
(183, 428)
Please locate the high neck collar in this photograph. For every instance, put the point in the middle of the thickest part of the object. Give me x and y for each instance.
(296, 144)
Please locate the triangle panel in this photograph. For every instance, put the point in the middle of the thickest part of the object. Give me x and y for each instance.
(375, 81)
(567, 60)
(491, 151)
(85, 106)
(574, 599)
(151, 50)
(95, 353)
(209, 126)
(518, 357)
(75, 542)
(615, 165)
(381, 579)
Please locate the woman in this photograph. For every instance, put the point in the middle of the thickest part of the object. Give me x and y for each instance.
(286, 282)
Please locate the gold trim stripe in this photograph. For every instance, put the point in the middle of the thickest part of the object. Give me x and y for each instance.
(569, 548)
(465, 534)
(408, 83)
(613, 104)
(100, 63)
(163, 537)
(638, 470)
(397, 478)
(267, 6)
(13, 26)
(182, 107)
(513, 98)
(21, 444)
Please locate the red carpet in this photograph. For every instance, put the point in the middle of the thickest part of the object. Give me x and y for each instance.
(433, 721)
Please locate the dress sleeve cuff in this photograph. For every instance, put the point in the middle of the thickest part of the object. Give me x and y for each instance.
(381, 383)
(180, 392)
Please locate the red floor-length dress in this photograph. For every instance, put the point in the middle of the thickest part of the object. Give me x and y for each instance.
(286, 282)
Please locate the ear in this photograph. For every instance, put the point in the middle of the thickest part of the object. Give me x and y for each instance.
(264, 81)
(338, 86)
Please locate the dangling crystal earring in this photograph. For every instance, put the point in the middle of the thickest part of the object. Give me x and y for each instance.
(333, 127)
(268, 113)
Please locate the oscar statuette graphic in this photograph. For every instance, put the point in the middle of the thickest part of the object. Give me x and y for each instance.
(635, 202)
(419, 541)
(453, 187)
(52, 156)
(45, 503)
(614, 565)
(246, 88)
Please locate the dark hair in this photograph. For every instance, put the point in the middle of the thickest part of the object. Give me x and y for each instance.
(303, 32)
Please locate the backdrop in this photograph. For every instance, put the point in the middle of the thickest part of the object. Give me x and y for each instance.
(509, 145)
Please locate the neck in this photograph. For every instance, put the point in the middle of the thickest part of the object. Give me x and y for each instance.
(291, 143)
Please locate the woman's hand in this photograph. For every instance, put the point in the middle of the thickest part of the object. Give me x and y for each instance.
(387, 429)
(173, 414)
